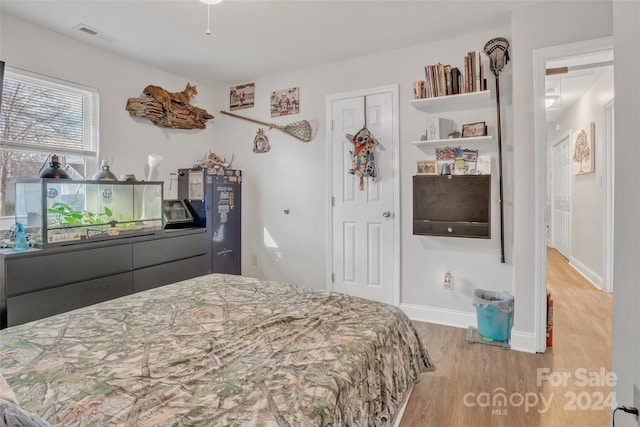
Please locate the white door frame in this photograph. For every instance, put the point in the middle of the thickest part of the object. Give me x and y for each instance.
(540, 58)
(394, 90)
(609, 165)
(564, 136)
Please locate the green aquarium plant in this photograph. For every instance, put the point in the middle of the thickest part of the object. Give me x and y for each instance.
(65, 215)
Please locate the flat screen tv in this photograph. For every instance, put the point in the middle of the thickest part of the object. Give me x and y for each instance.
(452, 205)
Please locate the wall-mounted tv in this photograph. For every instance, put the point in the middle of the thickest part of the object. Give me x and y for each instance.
(452, 205)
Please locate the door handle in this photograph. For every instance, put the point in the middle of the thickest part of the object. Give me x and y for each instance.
(386, 214)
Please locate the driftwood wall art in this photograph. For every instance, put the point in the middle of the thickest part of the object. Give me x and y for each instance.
(169, 109)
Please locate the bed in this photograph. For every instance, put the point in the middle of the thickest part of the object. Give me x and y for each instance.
(217, 350)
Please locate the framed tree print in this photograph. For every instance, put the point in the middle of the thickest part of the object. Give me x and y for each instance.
(582, 148)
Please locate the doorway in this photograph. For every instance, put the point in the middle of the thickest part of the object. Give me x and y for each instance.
(560, 185)
(577, 56)
(364, 225)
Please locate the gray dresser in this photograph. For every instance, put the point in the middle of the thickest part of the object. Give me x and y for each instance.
(42, 282)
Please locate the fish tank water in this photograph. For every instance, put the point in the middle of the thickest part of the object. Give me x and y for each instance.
(56, 212)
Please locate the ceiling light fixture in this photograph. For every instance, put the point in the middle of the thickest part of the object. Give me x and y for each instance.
(209, 3)
(550, 99)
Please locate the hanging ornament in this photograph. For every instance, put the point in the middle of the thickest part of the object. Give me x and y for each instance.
(261, 142)
(362, 155)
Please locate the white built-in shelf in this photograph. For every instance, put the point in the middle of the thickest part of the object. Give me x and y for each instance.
(452, 102)
(453, 141)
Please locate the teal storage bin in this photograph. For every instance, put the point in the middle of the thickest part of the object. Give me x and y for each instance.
(495, 314)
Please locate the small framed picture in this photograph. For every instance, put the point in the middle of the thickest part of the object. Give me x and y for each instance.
(426, 167)
(242, 96)
(583, 149)
(474, 129)
(285, 102)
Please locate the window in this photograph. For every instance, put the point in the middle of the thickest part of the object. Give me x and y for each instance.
(39, 116)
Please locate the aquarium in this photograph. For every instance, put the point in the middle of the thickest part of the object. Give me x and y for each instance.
(57, 212)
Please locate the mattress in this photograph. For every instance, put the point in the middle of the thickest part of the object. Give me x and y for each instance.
(217, 350)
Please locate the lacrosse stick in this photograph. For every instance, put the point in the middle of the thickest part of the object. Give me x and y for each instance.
(300, 130)
(498, 51)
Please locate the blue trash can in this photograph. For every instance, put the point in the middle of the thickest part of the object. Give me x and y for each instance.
(495, 314)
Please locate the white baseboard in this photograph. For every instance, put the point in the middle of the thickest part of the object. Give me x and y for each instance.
(520, 341)
(523, 341)
(439, 316)
(593, 278)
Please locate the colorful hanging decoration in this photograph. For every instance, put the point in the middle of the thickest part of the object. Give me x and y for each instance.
(261, 142)
(362, 155)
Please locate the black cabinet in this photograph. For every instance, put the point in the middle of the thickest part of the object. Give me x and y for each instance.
(452, 205)
(40, 283)
(214, 198)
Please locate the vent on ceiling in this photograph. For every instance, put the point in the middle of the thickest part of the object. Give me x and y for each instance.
(88, 30)
(91, 32)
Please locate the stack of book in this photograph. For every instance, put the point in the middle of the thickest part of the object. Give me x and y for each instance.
(443, 80)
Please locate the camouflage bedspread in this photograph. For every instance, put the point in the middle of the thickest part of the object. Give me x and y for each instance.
(217, 350)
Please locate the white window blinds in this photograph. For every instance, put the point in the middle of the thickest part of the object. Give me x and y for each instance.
(40, 113)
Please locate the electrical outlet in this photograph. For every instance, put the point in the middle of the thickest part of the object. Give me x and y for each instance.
(448, 281)
(254, 260)
(636, 400)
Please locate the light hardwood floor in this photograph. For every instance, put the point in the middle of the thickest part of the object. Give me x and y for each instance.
(469, 379)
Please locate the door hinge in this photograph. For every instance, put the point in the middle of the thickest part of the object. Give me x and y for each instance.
(333, 201)
(331, 124)
(333, 277)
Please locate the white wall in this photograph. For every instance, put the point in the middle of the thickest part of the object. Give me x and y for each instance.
(626, 297)
(125, 139)
(587, 214)
(292, 175)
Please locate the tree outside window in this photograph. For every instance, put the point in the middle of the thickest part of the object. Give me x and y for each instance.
(40, 116)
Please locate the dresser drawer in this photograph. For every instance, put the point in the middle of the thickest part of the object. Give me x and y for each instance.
(160, 251)
(160, 275)
(52, 270)
(37, 305)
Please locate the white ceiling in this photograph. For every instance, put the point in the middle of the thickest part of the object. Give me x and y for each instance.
(256, 38)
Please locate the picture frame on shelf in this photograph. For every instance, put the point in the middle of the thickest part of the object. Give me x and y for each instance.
(469, 160)
(427, 167)
(438, 128)
(474, 129)
(483, 165)
(446, 153)
(445, 167)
